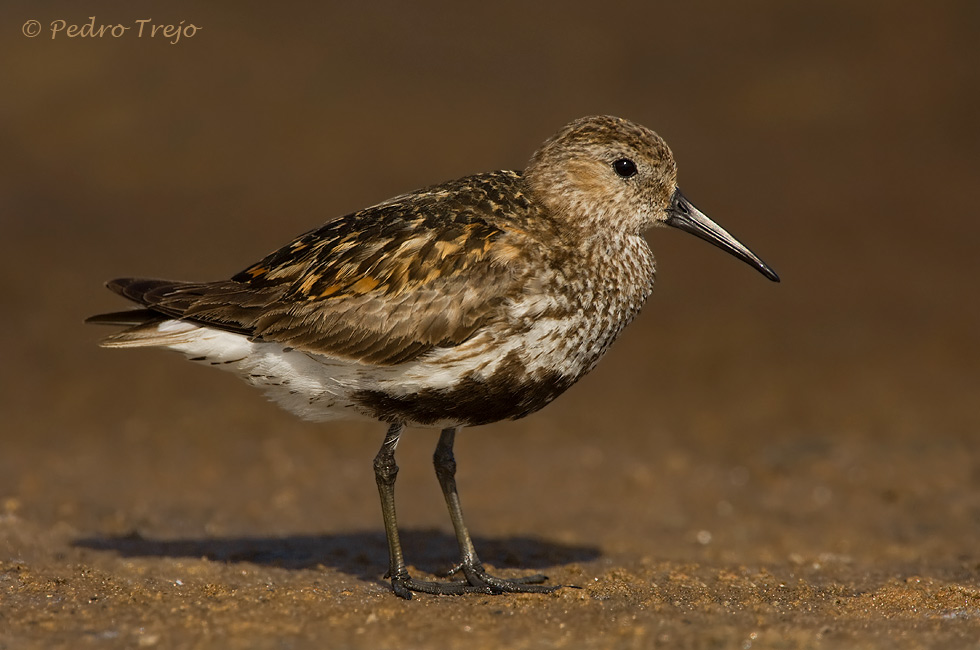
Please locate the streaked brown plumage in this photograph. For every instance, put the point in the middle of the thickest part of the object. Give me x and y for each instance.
(464, 303)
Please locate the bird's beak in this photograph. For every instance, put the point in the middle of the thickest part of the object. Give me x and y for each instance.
(682, 214)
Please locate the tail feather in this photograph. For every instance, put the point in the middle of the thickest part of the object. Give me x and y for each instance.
(157, 332)
(166, 304)
(145, 327)
(126, 317)
(142, 290)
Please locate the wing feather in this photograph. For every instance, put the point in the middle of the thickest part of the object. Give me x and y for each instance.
(380, 286)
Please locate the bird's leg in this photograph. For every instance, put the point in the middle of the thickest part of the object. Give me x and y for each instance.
(470, 564)
(385, 472)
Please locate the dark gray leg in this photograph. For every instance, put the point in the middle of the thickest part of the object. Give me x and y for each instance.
(385, 472)
(470, 564)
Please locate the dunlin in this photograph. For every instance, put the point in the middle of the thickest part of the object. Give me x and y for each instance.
(477, 300)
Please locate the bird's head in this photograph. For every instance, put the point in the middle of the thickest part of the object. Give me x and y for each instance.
(603, 172)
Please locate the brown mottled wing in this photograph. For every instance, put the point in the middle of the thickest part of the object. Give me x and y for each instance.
(380, 286)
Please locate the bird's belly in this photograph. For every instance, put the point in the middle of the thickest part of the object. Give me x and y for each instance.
(508, 391)
(477, 383)
(496, 375)
(420, 393)
(499, 374)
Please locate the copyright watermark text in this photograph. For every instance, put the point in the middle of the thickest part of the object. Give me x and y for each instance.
(142, 28)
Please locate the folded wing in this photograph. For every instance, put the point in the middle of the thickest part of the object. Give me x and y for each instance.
(381, 286)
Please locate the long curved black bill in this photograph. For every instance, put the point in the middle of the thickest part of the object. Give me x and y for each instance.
(683, 215)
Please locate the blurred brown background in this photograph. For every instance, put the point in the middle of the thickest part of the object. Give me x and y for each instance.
(820, 433)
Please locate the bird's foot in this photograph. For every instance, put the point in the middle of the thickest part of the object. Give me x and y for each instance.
(476, 575)
(477, 581)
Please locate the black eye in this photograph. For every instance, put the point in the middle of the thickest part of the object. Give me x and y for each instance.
(625, 167)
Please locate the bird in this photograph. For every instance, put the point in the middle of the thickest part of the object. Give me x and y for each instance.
(473, 301)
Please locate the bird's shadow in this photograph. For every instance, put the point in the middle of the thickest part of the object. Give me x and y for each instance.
(361, 554)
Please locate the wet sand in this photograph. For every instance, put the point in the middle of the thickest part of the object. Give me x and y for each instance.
(753, 465)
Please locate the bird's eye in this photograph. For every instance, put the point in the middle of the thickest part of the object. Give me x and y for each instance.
(625, 167)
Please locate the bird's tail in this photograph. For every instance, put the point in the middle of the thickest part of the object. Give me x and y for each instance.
(144, 327)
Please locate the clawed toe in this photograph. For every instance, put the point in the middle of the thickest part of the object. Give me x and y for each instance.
(477, 581)
(477, 575)
(405, 585)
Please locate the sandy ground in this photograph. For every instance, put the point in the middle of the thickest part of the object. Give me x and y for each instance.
(753, 466)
